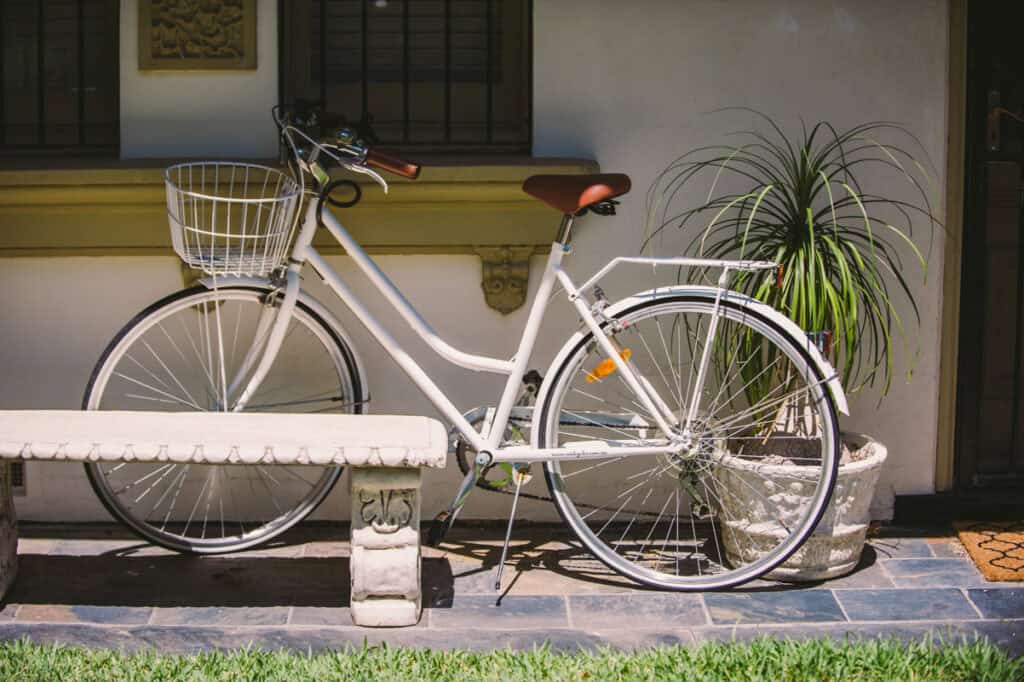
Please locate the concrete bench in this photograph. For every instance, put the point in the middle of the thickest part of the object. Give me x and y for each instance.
(384, 454)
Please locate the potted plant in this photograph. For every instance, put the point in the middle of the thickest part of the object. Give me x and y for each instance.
(820, 203)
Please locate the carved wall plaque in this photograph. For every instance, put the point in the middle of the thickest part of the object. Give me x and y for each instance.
(197, 34)
(506, 273)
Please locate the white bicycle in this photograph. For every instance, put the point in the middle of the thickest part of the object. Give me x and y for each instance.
(638, 421)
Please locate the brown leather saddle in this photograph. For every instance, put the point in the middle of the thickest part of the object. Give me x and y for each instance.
(571, 194)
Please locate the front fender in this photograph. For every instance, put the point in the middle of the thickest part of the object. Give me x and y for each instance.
(789, 327)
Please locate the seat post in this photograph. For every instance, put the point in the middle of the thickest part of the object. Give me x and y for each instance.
(566, 229)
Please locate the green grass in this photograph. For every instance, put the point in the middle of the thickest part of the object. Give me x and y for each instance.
(764, 659)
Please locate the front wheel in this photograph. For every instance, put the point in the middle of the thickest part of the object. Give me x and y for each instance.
(758, 467)
(183, 354)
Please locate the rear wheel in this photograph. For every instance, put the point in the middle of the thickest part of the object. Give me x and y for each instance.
(172, 357)
(731, 506)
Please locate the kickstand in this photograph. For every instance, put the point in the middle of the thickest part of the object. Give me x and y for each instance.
(508, 532)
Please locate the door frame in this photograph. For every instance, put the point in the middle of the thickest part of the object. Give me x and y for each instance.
(956, 159)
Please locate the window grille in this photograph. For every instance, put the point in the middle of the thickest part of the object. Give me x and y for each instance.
(17, 478)
(433, 74)
(59, 76)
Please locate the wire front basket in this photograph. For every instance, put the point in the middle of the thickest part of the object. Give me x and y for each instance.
(231, 218)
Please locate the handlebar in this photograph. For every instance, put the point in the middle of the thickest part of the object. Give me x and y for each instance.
(392, 164)
(349, 147)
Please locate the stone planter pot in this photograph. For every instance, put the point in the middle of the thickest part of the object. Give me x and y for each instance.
(834, 549)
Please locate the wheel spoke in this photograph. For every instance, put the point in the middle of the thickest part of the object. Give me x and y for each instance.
(182, 355)
(635, 512)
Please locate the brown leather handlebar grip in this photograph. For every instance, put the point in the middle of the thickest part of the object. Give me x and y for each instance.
(392, 164)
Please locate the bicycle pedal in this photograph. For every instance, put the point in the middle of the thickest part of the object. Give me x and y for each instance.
(438, 529)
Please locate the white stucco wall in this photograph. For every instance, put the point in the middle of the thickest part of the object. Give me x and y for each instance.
(631, 85)
(627, 84)
(195, 113)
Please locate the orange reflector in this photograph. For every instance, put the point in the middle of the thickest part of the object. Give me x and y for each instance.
(606, 367)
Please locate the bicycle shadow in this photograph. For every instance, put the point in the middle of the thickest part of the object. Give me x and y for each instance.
(561, 564)
(129, 573)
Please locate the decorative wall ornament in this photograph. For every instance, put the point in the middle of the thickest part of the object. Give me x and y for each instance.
(197, 34)
(506, 273)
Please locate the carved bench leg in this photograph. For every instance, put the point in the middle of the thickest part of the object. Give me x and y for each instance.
(8, 532)
(385, 562)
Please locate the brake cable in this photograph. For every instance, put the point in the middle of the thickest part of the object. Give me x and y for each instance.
(325, 196)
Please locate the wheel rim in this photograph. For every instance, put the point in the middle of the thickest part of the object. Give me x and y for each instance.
(171, 360)
(690, 521)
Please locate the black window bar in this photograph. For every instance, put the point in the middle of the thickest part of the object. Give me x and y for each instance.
(58, 76)
(441, 74)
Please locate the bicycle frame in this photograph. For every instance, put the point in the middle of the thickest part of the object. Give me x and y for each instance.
(515, 368)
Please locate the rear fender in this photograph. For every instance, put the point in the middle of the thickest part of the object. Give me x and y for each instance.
(709, 294)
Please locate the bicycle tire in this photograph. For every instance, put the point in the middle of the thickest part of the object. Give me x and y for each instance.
(139, 328)
(724, 575)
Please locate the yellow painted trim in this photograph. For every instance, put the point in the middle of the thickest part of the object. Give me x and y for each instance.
(120, 210)
(955, 168)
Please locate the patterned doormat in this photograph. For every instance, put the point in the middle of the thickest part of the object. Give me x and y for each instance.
(997, 547)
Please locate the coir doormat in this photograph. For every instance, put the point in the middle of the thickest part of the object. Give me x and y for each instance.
(997, 547)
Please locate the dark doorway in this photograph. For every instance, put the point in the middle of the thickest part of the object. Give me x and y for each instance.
(990, 397)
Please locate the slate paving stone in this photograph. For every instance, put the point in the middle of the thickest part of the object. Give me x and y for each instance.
(519, 578)
(946, 548)
(1008, 635)
(444, 580)
(216, 615)
(36, 545)
(334, 549)
(94, 637)
(321, 615)
(999, 602)
(901, 548)
(83, 613)
(889, 530)
(86, 547)
(906, 604)
(93, 586)
(933, 572)
(869, 575)
(332, 617)
(472, 611)
(185, 581)
(636, 611)
(545, 580)
(809, 606)
(189, 640)
(280, 551)
(81, 531)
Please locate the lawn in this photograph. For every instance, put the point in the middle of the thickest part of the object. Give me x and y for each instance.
(765, 659)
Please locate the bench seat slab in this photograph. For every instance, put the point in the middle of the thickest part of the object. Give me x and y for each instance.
(223, 438)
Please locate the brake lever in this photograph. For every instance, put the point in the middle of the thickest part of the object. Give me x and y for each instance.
(368, 171)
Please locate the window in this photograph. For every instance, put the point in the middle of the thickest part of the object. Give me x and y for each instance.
(443, 75)
(58, 73)
(17, 473)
